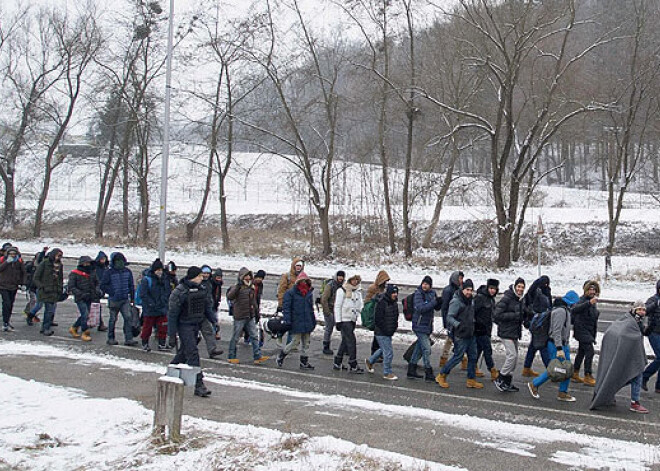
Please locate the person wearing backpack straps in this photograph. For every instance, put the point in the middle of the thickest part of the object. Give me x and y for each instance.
(386, 321)
(426, 301)
(559, 335)
(328, 296)
(585, 316)
(508, 316)
(537, 300)
(83, 284)
(455, 283)
(484, 305)
(155, 293)
(374, 289)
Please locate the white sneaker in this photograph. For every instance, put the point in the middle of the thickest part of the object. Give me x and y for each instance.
(390, 377)
(369, 366)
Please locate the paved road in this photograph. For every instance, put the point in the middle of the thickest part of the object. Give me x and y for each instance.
(410, 417)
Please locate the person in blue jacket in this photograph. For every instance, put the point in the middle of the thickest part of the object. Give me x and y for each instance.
(298, 310)
(119, 285)
(425, 302)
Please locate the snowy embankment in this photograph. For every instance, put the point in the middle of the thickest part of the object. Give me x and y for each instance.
(119, 437)
(62, 435)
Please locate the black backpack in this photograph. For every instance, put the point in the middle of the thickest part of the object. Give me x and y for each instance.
(30, 268)
(408, 306)
(539, 327)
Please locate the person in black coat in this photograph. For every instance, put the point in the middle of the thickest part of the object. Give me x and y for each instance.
(386, 321)
(155, 293)
(508, 316)
(585, 325)
(84, 285)
(484, 306)
(538, 299)
(455, 283)
(653, 333)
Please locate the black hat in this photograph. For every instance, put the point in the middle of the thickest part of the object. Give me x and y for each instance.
(171, 266)
(519, 281)
(193, 272)
(468, 284)
(157, 265)
(341, 273)
(260, 274)
(6, 245)
(218, 272)
(493, 282)
(428, 279)
(391, 289)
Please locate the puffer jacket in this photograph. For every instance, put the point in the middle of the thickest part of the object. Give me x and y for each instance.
(244, 301)
(101, 267)
(460, 316)
(585, 316)
(424, 303)
(378, 286)
(49, 279)
(155, 293)
(448, 294)
(287, 281)
(118, 283)
(298, 310)
(508, 315)
(347, 309)
(386, 316)
(83, 283)
(653, 311)
(11, 274)
(484, 305)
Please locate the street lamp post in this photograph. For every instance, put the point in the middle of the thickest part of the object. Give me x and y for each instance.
(162, 223)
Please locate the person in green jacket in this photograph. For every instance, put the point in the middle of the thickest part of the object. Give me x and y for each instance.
(49, 280)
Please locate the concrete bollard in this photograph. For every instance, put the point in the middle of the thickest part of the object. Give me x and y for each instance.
(169, 408)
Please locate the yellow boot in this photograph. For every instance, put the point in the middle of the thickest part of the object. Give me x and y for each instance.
(494, 374)
(478, 374)
(86, 337)
(530, 373)
(464, 363)
(74, 332)
(443, 360)
(576, 378)
(473, 383)
(589, 380)
(441, 379)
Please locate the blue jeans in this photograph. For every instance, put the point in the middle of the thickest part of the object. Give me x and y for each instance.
(83, 308)
(115, 308)
(49, 315)
(422, 349)
(531, 351)
(636, 388)
(251, 327)
(461, 347)
(484, 346)
(552, 352)
(654, 366)
(385, 350)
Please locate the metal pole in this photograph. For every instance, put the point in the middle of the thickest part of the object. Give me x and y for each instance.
(162, 223)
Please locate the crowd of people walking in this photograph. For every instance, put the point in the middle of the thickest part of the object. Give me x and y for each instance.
(182, 311)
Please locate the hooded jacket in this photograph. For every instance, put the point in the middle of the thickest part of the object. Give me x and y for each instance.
(484, 305)
(298, 310)
(49, 278)
(243, 297)
(155, 293)
(118, 283)
(348, 302)
(508, 315)
(378, 286)
(538, 297)
(448, 294)
(424, 303)
(287, 281)
(653, 311)
(83, 283)
(12, 275)
(460, 316)
(585, 316)
(329, 296)
(101, 267)
(386, 316)
(560, 323)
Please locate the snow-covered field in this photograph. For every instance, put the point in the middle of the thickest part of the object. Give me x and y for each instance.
(55, 438)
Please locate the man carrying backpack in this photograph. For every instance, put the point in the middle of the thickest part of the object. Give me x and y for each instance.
(155, 294)
(84, 287)
(484, 306)
(558, 344)
(328, 296)
(49, 280)
(425, 302)
(386, 321)
(538, 300)
(455, 283)
(118, 284)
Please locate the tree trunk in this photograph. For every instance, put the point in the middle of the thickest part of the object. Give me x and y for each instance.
(125, 197)
(324, 217)
(192, 225)
(105, 199)
(449, 175)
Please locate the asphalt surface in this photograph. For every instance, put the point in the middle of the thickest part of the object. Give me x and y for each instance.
(288, 399)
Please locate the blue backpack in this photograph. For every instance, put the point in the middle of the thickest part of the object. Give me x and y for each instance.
(539, 327)
(138, 290)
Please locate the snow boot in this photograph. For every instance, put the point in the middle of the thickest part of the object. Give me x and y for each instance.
(200, 388)
(145, 345)
(326, 349)
(464, 363)
(510, 387)
(474, 384)
(441, 379)
(443, 361)
(304, 363)
(74, 332)
(412, 371)
(429, 377)
(85, 337)
(478, 373)
(494, 374)
(529, 373)
(589, 380)
(576, 377)
(280, 359)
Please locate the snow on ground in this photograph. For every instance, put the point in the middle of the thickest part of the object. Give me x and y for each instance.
(569, 273)
(62, 437)
(57, 437)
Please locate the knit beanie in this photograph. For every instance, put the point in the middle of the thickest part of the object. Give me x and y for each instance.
(468, 284)
(193, 272)
(519, 281)
(157, 265)
(341, 273)
(391, 289)
(429, 280)
(493, 282)
(260, 274)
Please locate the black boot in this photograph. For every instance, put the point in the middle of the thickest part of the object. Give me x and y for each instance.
(428, 375)
(280, 359)
(412, 371)
(501, 382)
(304, 363)
(338, 364)
(200, 388)
(326, 349)
(510, 387)
(162, 345)
(145, 345)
